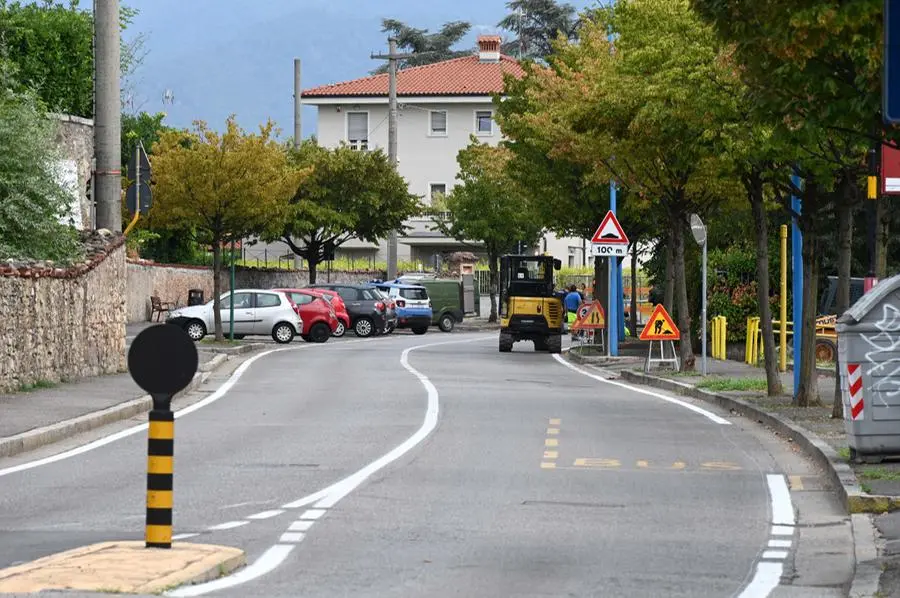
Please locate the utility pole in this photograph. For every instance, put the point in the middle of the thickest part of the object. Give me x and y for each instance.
(392, 57)
(298, 125)
(107, 115)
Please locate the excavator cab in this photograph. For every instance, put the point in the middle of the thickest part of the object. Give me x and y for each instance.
(530, 307)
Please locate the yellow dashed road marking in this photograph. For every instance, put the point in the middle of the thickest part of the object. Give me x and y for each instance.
(721, 465)
(551, 455)
(590, 462)
(679, 465)
(552, 431)
(643, 464)
(551, 442)
(555, 422)
(548, 465)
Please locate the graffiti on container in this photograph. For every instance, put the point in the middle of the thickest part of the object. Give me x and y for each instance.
(886, 341)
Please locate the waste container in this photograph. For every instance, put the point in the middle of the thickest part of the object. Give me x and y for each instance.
(195, 297)
(869, 362)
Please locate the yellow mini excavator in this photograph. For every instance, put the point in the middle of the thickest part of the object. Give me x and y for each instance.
(530, 309)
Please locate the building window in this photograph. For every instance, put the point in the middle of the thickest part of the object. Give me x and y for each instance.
(437, 192)
(484, 122)
(358, 130)
(438, 123)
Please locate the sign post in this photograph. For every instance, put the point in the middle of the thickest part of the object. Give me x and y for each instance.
(162, 361)
(610, 241)
(660, 328)
(699, 231)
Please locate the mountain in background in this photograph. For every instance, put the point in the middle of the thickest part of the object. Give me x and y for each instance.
(220, 57)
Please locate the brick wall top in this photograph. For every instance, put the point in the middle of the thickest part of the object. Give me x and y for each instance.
(151, 263)
(72, 119)
(97, 246)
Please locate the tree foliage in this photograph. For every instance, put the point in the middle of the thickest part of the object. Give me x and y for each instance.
(348, 194)
(51, 43)
(222, 187)
(536, 25)
(33, 203)
(428, 47)
(490, 206)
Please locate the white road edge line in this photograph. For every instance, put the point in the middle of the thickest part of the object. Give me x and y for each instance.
(768, 574)
(227, 525)
(332, 494)
(183, 536)
(218, 394)
(707, 414)
(267, 561)
(265, 515)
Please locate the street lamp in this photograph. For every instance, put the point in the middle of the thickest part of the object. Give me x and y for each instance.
(698, 229)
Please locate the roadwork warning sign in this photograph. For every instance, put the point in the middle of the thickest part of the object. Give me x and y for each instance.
(660, 327)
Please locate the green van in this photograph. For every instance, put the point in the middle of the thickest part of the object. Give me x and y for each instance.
(446, 300)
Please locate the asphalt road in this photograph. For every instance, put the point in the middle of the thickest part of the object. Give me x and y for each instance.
(488, 474)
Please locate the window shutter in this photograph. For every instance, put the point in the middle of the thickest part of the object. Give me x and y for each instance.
(357, 126)
(439, 121)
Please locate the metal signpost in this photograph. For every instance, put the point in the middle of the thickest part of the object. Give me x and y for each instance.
(162, 361)
(699, 231)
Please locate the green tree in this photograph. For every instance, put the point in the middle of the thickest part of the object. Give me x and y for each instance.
(489, 206)
(222, 187)
(348, 194)
(51, 43)
(428, 47)
(32, 201)
(536, 24)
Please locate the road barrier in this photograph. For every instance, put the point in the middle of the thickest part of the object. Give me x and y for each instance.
(751, 355)
(719, 337)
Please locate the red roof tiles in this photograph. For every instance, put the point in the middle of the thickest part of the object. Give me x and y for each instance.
(460, 76)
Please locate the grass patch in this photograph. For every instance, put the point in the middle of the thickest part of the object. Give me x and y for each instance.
(878, 473)
(865, 488)
(844, 453)
(734, 384)
(227, 341)
(39, 385)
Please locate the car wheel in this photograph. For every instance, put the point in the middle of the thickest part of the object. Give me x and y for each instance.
(340, 330)
(420, 329)
(195, 329)
(320, 332)
(364, 328)
(446, 323)
(283, 333)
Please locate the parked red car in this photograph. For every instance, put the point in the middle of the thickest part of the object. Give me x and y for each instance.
(340, 309)
(319, 318)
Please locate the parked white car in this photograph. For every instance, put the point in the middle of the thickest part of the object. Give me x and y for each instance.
(256, 311)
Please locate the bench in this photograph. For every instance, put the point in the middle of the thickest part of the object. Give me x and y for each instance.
(158, 307)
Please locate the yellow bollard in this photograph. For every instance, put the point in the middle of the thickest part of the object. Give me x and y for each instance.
(782, 336)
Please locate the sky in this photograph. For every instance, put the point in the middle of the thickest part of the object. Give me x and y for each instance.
(222, 57)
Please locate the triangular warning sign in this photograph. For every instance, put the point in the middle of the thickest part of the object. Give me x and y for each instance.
(590, 317)
(610, 232)
(660, 327)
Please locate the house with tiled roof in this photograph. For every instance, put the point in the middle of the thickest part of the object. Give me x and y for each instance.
(440, 106)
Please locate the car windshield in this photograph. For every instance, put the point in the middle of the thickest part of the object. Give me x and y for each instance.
(372, 295)
(414, 294)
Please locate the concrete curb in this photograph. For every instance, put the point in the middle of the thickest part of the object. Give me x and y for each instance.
(32, 439)
(238, 350)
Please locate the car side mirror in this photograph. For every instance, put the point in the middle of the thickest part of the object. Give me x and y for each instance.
(557, 264)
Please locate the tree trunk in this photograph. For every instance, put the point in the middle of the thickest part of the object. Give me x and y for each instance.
(313, 266)
(686, 350)
(601, 291)
(808, 393)
(669, 296)
(634, 289)
(217, 287)
(495, 283)
(845, 240)
(882, 236)
(757, 204)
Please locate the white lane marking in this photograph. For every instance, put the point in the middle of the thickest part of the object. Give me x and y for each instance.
(775, 554)
(707, 414)
(183, 536)
(782, 530)
(227, 525)
(780, 543)
(291, 537)
(312, 514)
(342, 488)
(267, 561)
(767, 577)
(768, 574)
(265, 514)
(305, 501)
(218, 394)
(782, 509)
(300, 526)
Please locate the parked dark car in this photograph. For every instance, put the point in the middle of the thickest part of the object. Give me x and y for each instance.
(366, 306)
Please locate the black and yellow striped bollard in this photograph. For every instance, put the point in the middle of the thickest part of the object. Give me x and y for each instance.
(162, 360)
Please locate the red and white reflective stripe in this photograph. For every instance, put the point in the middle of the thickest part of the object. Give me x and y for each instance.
(855, 388)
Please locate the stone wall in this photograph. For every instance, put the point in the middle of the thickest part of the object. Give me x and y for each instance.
(59, 324)
(75, 141)
(172, 282)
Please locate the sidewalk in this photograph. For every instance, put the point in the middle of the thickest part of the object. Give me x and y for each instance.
(740, 387)
(43, 415)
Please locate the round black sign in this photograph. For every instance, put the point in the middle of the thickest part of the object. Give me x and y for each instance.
(163, 359)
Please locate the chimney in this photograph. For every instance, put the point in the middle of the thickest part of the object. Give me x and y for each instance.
(489, 48)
